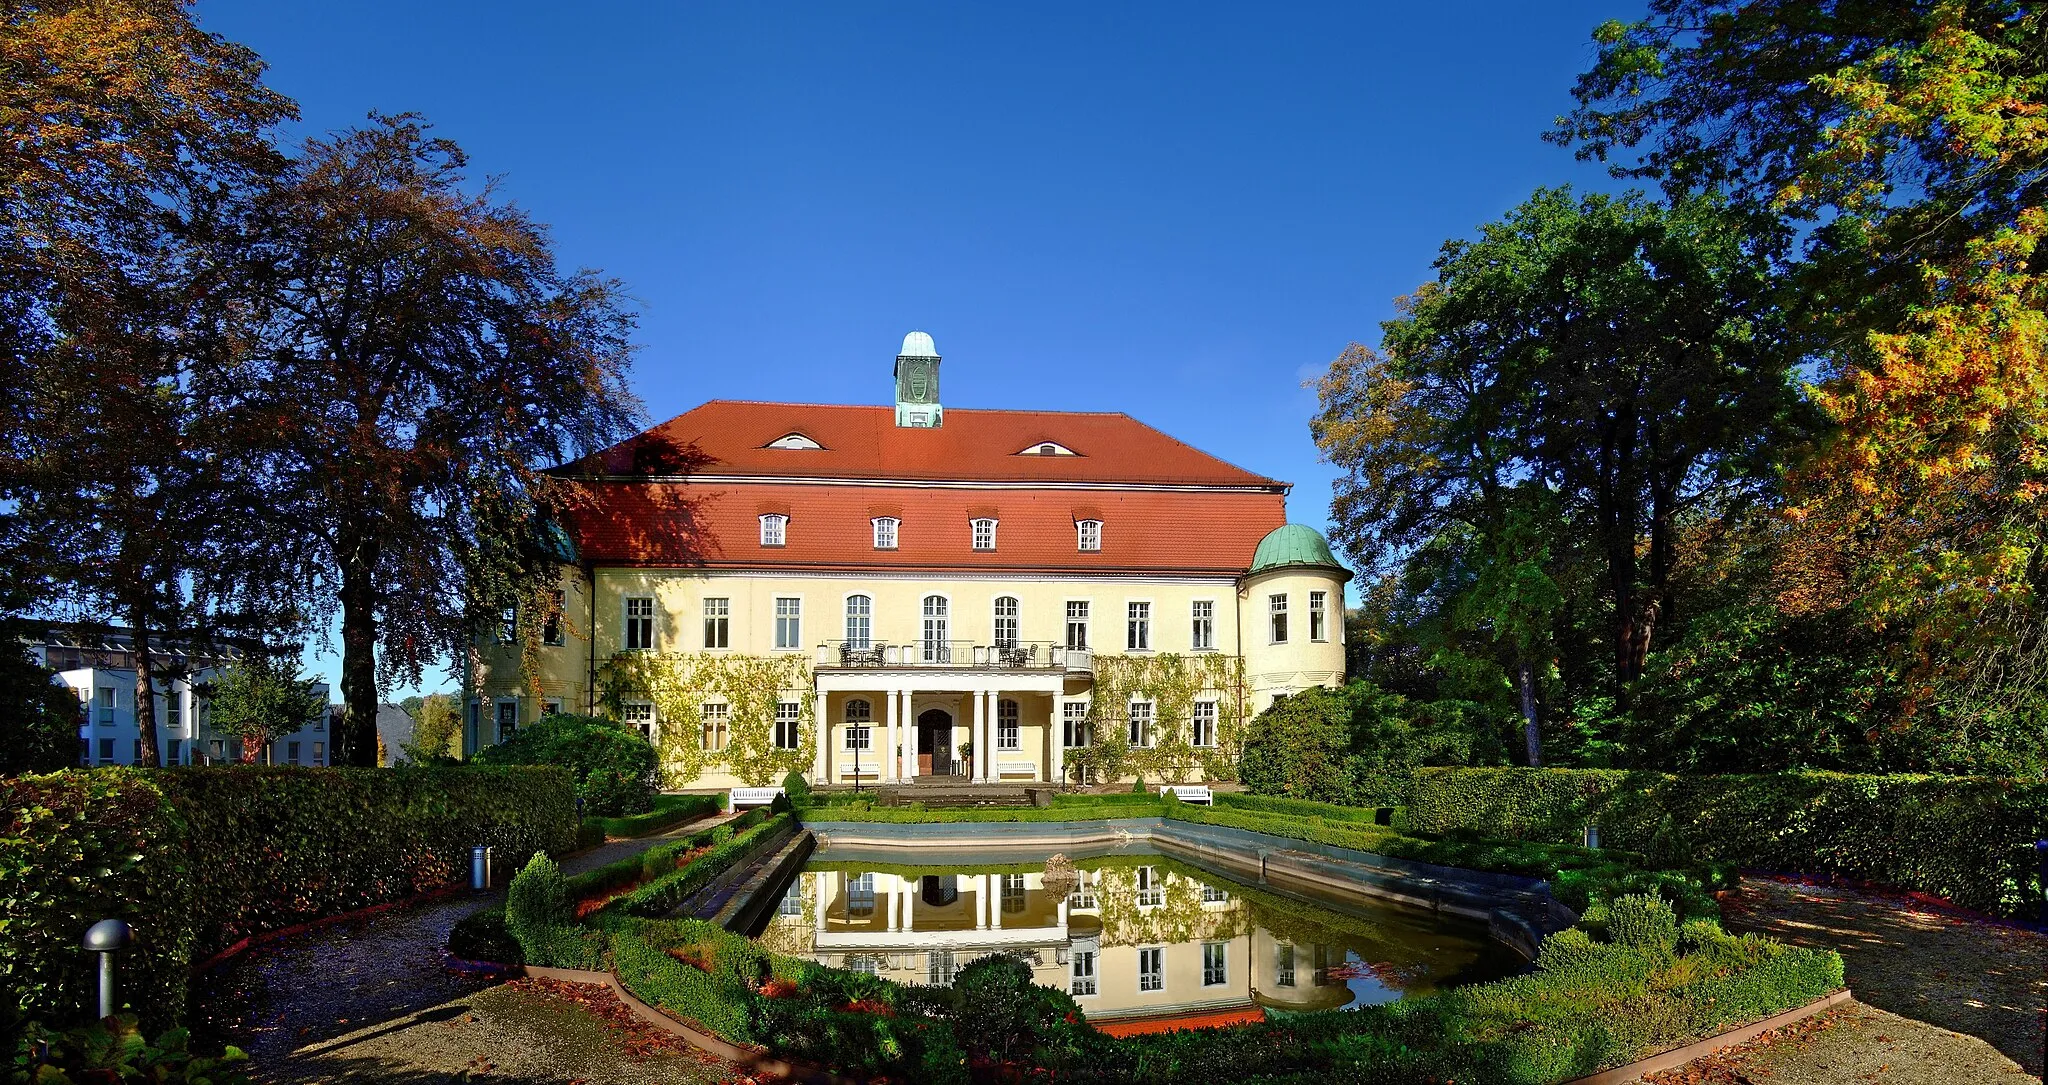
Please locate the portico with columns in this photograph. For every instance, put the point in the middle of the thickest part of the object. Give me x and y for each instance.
(896, 725)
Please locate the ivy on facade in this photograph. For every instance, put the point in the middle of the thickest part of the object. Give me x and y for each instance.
(1172, 683)
(679, 684)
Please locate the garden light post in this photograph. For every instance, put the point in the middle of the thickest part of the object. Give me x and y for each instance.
(480, 867)
(1592, 835)
(106, 938)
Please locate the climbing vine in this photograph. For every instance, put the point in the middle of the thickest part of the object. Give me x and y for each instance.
(1172, 683)
(1181, 917)
(679, 684)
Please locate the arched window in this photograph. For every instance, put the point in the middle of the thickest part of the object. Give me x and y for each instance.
(984, 533)
(774, 529)
(1006, 621)
(1089, 534)
(936, 647)
(860, 622)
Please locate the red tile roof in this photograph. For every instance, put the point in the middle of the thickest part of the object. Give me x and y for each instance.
(715, 524)
(729, 437)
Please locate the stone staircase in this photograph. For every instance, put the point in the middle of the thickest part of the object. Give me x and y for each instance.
(950, 791)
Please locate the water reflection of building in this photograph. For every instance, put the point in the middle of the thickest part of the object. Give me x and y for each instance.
(1128, 942)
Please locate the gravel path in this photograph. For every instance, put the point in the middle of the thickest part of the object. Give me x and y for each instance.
(385, 979)
(1854, 1044)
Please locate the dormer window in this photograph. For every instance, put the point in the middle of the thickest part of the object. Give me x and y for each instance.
(1047, 448)
(1089, 533)
(774, 529)
(984, 533)
(794, 441)
(885, 532)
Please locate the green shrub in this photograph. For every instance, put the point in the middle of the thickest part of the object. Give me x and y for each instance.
(537, 899)
(1001, 1016)
(1642, 921)
(612, 765)
(796, 789)
(483, 936)
(664, 893)
(668, 812)
(1966, 839)
(1297, 748)
(114, 1052)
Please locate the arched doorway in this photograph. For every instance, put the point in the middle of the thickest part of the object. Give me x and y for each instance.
(935, 743)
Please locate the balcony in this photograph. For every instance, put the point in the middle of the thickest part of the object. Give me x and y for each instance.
(959, 655)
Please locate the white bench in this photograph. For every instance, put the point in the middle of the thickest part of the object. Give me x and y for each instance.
(752, 796)
(1017, 768)
(1190, 793)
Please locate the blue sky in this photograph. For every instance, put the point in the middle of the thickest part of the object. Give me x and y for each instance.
(1178, 211)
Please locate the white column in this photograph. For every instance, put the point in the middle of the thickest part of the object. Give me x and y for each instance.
(1063, 913)
(995, 900)
(895, 894)
(824, 728)
(909, 727)
(824, 897)
(890, 763)
(985, 746)
(909, 901)
(981, 903)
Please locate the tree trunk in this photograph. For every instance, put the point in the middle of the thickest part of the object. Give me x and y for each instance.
(1525, 677)
(356, 743)
(145, 691)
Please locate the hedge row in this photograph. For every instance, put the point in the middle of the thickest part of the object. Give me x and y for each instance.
(199, 858)
(669, 811)
(1966, 839)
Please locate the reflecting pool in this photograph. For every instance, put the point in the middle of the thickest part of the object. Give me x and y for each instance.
(1142, 941)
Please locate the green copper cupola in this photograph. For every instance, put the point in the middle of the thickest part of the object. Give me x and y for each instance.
(917, 383)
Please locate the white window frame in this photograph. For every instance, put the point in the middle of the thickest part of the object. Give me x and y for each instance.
(1137, 629)
(1201, 627)
(1213, 895)
(1276, 618)
(632, 715)
(508, 626)
(1204, 716)
(935, 649)
(639, 627)
(1074, 724)
(1088, 536)
(1142, 725)
(718, 609)
(789, 725)
(1318, 617)
(887, 530)
(859, 725)
(999, 635)
(789, 623)
(1086, 620)
(981, 532)
(1215, 964)
(1284, 964)
(1009, 726)
(860, 624)
(716, 725)
(774, 529)
(1082, 980)
(1151, 889)
(498, 721)
(1151, 980)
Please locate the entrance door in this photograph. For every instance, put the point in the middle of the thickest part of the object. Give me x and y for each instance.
(935, 743)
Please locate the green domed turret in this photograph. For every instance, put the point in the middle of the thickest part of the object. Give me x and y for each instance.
(1291, 545)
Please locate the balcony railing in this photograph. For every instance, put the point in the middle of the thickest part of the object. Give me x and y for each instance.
(959, 655)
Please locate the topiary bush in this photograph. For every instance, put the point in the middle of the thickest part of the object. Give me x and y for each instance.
(797, 790)
(1298, 748)
(612, 765)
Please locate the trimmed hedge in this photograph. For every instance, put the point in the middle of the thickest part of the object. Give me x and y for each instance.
(1067, 808)
(199, 858)
(1966, 839)
(669, 811)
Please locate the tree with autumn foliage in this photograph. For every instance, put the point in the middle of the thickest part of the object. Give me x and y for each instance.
(423, 360)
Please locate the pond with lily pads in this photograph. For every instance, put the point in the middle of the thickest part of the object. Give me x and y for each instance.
(1141, 940)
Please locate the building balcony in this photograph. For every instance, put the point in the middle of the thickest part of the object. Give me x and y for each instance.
(958, 655)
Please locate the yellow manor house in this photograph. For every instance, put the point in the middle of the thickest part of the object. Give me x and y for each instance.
(982, 595)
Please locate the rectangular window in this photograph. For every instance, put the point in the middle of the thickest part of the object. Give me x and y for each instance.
(136, 757)
(639, 715)
(1090, 533)
(1082, 979)
(1151, 891)
(1075, 723)
(551, 628)
(885, 533)
(1215, 964)
(640, 623)
(938, 969)
(717, 623)
(508, 719)
(1205, 723)
(860, 622)
(1318, 622)
(793, 900)
(291, 753)
(320, 753)
(1141, 724)
(1283, 965)
(859, 734)
(1077, 624)
(1013, 894)
(716, 716)
(788, 725)
(107, 707)
(1152, 968)
(1138, 632)
(984, 534)
(1276, 608)
(1213, 895)
(860, 896)
(1006, 621)
(789, 622)
(177, 752)
(1203, 617)
(774, 529)
(869, 963)
(508, 626)
(106, 751)
(172, 704)
(1009, 736)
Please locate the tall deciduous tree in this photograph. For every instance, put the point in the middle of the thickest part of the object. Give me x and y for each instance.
(428, 360)
(1614, 359)
(258, 698)
(123, 129)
